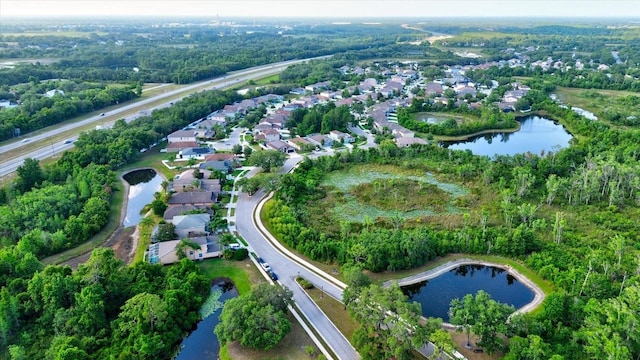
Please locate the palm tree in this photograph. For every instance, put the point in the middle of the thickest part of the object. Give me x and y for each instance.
(183, 245)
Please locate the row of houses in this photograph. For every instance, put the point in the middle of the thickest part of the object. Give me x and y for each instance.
(189, 210)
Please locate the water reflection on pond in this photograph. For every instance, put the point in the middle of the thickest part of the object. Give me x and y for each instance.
(203, 343)
(536, 135)
(143, 184)
(436, 294)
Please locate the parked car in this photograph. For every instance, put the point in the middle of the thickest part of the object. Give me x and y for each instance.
(235, 247)
(265, 266)
(273, 275)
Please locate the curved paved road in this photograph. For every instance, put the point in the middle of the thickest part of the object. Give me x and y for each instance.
(288, 270)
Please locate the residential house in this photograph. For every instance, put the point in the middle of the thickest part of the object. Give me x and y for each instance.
(182, 136)
(165, 252)
(300, 143)
(183, 209)
(198, 153)
(280, 146)
(271, 135)
(224, 162)
(191, 225)
(178, 146)
(320, 140)
(408, 141)
(339, 136)
(433, 88)
(204, 198)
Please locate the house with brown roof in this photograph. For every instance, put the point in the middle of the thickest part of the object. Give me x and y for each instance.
(301, 144)
(320, 140)
(280, 146)
(178, 146)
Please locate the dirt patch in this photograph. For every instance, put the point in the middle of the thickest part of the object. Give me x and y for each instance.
(123, 243)
(460, 339)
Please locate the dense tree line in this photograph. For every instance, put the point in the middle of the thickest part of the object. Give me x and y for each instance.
(37, 111)
(103, 310)
(320, 119)
(170, 56)
(488, 118)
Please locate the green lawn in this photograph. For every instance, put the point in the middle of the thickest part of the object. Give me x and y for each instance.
(242, 273)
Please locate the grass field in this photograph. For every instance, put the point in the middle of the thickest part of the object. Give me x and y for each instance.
(597, 101)
(354, 195)
(268, 80)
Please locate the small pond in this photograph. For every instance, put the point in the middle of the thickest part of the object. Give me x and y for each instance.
(536, 135)
(432, 119)
(202, 343)
(142, 185)
(435, 295)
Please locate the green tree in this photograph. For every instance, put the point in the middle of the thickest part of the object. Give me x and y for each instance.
(29, 175)
(257, 319)
(267, 159)
(237, 149)
(184, 246)
(485, 316)
(390, 326)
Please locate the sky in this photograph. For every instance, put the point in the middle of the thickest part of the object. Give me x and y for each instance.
(314, 8)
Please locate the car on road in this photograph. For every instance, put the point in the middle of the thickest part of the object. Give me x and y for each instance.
(265, 266)
(68, 141)
(273, 276)
(101, 114)
(26, 140)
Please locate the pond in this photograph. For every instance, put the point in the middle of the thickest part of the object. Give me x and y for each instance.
(202, 343)
(142, 185)
(432, 119)
(435, 295)
(536, 135)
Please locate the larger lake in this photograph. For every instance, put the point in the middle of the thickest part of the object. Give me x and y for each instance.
(536, 135)
(142, 185)
(435, 295)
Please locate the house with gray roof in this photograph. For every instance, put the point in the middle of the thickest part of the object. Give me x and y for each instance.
(206, 198)
(191, 225)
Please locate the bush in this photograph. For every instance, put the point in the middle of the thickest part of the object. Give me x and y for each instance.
(310, 350)
(305, 284)
(240, 254)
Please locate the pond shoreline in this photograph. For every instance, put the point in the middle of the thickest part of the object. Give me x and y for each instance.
(478, 133)
(538, 297)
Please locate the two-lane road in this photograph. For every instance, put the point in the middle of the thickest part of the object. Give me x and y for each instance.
(288, 270)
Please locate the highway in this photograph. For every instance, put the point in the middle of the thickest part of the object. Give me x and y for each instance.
(44, 148)
(288, 269)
